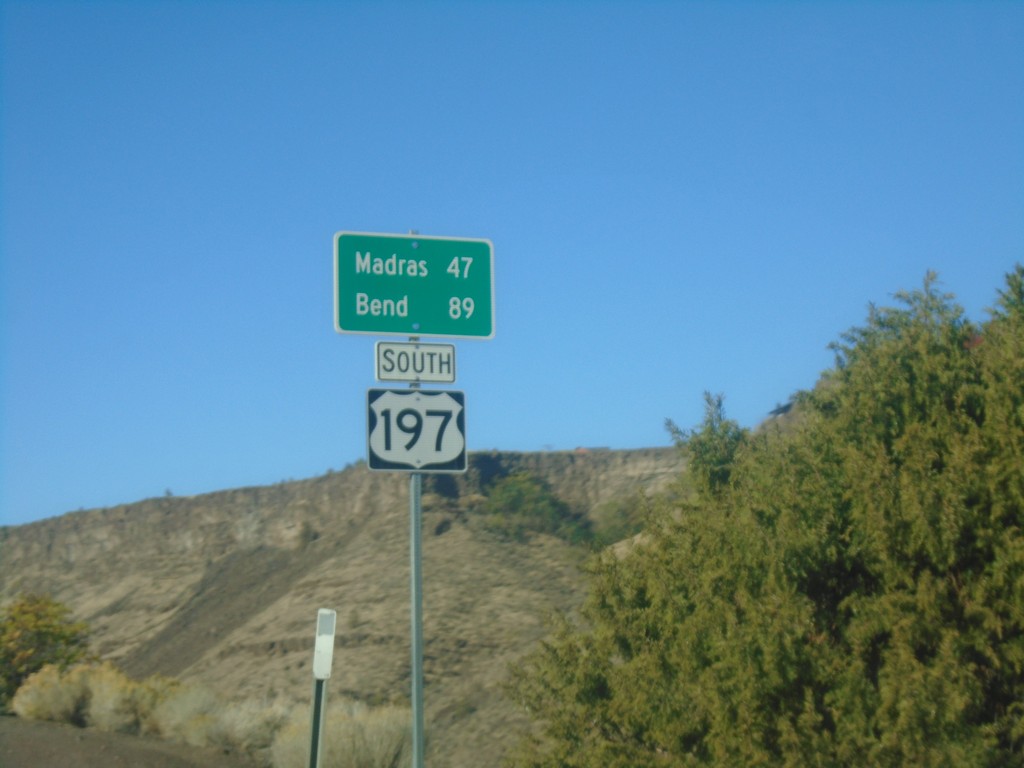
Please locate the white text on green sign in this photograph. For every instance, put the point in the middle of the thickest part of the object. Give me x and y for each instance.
(412, 285)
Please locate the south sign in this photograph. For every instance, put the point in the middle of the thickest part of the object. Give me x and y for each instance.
(413, 362)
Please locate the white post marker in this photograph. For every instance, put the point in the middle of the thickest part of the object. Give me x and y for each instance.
(323, 648)
(323, 654)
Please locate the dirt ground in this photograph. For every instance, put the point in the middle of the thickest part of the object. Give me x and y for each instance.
(36, 744)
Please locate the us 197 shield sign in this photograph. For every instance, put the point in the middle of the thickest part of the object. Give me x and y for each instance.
(416, 430)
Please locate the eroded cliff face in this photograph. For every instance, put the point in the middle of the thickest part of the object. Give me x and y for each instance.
(224, 588)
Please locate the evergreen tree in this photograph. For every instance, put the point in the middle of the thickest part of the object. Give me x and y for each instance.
(849, 591)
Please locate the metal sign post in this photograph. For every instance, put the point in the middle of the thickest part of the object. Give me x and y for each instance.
(416, 609)
(416, 580)
(317, 736)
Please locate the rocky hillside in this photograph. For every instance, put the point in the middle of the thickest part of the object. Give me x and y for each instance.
(224, 587)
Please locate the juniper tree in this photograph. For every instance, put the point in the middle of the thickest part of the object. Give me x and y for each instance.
(847, 591)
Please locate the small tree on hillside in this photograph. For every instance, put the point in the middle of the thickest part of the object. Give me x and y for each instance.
(36, 630)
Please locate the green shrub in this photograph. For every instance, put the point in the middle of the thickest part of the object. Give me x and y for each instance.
(250, 725)
(354, 736)
(100, 696)
(520, 505)
(49, 695)
(148, 694)
(619, 519)
(188, 714)
(95, 695)
(112, 700)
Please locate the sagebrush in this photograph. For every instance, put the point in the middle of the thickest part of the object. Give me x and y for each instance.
(101, 696)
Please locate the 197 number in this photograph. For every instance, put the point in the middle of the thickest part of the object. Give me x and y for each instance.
(410, 422)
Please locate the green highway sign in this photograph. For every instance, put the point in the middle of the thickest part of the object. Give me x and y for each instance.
(412, 285)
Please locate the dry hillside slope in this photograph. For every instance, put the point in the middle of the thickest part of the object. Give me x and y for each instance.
(223, 588)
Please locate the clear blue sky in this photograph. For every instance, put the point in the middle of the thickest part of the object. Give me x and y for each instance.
(682, 197)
